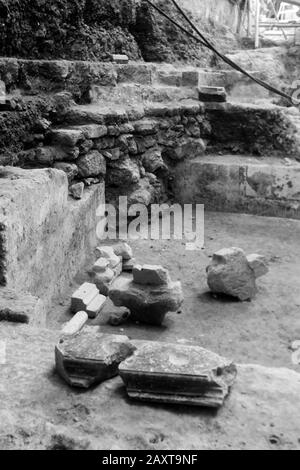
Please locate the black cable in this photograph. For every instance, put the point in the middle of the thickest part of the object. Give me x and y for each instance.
(204, 42)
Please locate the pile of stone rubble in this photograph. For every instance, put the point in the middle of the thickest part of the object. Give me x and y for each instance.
(151, 371)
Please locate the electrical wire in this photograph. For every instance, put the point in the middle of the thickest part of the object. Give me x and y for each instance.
(201, 39)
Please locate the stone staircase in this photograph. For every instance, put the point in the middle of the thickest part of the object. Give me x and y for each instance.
(142, 128)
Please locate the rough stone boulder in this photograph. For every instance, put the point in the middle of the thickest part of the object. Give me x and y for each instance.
(123, 172)
(147, 303)
(89, 357)
(180, 374)
(92, 164)
(232, 273)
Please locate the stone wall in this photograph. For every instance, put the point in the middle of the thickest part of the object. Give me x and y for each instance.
(46, 236)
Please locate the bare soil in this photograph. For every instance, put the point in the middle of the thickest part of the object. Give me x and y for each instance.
(260, 331)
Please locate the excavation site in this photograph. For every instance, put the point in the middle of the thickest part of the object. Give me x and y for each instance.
(149, 227)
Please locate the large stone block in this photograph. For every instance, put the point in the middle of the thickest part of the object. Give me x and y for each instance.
(147, 303)
(89, 357)
(178, 374)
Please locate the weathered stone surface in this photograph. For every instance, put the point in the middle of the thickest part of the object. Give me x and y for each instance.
(18, 307)
(124, 250)
(35, 211)
(185, 149)
(92, 164)
(128, 265)
(95, 306)
(120, 58)
(108, 253)
(66, 137)
(92, 131)
(76, 324)
(145, 127)
(103, 280)
(258, 264)
(127, 143)
(118, 315)
(190, 78)
(262, 186)
(76, 190)
(83, 297)
(212, 94)
(231, 274)
(101, 265)
(85, 146)
(111, 154)
(153, 162)
(89, 358)
(47, 155)
(148, 304)
(144, 192)
(172, 373)
(150, 275)
(123, 172)
(71, 169)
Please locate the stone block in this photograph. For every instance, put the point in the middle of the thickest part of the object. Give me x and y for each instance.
(120, 58)
(147, 304)
(76, 324)
(212, 94)
(190, 78)
(66, 137)
(177, 374)
(101, 265)
(124, 250)
(90, 358)
(92, 131)
(145, 127)
(150, 275)
(108, 253)
(83, 297)
(103, 280)
(76, 190)
(95, 306)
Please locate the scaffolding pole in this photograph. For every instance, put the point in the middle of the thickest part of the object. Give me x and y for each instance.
(257, 20)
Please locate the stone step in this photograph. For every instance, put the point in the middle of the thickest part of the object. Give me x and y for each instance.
(263, 186)
(133, 93)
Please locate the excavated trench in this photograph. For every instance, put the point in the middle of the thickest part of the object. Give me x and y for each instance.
(162, 146)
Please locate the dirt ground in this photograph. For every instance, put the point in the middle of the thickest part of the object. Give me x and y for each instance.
(38, 410)
(258, 332)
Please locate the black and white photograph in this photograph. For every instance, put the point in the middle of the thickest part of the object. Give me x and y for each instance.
(149, 228)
